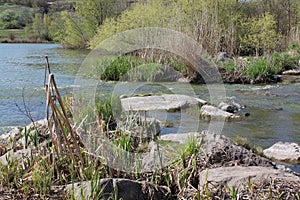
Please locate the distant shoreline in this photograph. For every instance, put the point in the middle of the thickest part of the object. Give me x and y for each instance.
(7, 41)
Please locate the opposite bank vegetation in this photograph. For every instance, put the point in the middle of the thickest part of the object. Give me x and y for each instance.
(265, 33)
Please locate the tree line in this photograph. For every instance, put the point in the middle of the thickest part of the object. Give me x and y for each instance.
(239, 27)
(249, 27)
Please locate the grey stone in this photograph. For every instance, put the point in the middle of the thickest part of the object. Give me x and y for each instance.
(223, 57)
(181, 138)
(288, 79)
(120, 188)
(214, 112)
(13, 155)
(168, 102)
(287, 151)
(238, 175)
(226, 107)
(293, 72)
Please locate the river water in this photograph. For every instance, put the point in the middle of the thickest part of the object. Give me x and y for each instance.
(274, 109)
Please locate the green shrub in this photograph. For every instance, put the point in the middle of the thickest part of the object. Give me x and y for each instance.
(263, 67)
(229, 66)
(257, 67)
(14, 17)
(131, 68)
(113, 70)
(294, 46)
(290, 62)
(108, 109)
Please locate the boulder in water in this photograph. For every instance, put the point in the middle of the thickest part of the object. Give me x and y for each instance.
(214, 112)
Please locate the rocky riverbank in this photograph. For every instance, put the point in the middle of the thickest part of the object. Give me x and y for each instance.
(197, 165)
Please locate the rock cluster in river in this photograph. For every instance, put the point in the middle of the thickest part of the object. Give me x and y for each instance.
(176, 102)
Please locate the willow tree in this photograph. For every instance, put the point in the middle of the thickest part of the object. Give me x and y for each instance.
(81, 25)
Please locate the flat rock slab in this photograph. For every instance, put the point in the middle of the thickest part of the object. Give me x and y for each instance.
(168, 102)
(237, 175)
(289, 152)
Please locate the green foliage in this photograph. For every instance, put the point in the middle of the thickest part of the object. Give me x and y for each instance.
(76, 30)
(259, 34)
(229, 66)
(198, 19)
(117, 67)
(42, 178)
(294, 46)
(123, 141)
(290, 62)
(15, 17)
(107, 109)
(80, 26)
(132, 68)
(258, 67)
(10, 173)
(233, 192)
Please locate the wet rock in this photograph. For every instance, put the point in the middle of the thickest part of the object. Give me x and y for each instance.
(287, 79)
(214, 112)
(226, 107)
(121, 188)
(292, 72)
(168, 102)
(289, 152)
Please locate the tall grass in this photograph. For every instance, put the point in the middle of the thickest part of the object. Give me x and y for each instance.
(262, 68)
(134, 68)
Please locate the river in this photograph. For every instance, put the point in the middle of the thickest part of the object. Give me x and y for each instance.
(274, 109)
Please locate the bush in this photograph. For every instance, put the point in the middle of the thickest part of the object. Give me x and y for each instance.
(290, 62)
(131, 68)
(263, 67)
(257, 67)
(15, 17)
(108, 110)
(111, 69)
(229, 66)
